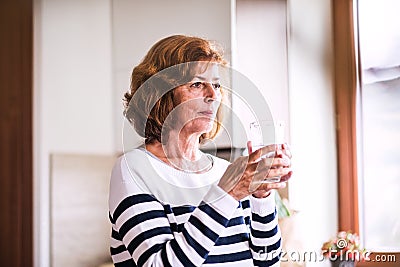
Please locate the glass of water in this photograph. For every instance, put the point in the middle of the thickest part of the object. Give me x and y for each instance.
(263, 133)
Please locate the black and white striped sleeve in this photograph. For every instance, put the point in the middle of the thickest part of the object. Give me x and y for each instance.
(142, 231)
(265, 235)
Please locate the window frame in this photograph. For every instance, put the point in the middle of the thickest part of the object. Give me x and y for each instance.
(346, 88)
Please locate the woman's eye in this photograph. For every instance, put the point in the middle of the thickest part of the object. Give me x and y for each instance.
(196, 85)
(216, 85)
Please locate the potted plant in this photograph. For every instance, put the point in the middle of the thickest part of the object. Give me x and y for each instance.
(344, 249)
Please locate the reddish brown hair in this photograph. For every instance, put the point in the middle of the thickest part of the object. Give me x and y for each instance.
(150, 107)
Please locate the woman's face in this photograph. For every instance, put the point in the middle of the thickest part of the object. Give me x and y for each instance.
(196, 103)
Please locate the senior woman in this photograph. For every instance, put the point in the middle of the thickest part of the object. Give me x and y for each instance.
(171, 204)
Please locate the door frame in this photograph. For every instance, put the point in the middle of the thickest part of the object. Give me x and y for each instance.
(16, 112)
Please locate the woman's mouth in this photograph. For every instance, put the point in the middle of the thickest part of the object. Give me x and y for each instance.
(208, 113)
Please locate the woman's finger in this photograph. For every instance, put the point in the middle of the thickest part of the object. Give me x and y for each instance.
(278, 172)
(264, 174)
(264, 151)
(265, 164)
(286, 150)
(286, 177)
(249, 147)
(280, 162)
(270, 186)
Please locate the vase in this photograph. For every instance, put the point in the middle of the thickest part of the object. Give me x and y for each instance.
(342, 263)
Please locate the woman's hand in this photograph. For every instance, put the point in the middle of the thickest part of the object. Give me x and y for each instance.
(238, 178)
(261, 192)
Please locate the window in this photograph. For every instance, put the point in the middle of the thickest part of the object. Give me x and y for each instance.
(379, 123)
(368, 122)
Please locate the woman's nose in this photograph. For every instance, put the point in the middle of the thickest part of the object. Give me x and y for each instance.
(211, 94)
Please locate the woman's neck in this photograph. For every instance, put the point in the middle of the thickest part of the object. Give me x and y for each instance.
(181, 153)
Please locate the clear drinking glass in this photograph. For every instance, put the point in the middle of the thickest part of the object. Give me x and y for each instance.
(263, 133)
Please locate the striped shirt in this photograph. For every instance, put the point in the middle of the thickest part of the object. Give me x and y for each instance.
(161, 216)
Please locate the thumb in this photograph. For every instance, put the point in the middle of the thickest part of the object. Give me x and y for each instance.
(249, 147)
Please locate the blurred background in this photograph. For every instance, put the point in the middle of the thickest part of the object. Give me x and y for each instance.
(79, 64)
(85, 52)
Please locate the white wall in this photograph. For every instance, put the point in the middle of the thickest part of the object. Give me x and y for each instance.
(261, 55)
(262, 50)
(75, 76)
(72, 97)
(313, 187)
